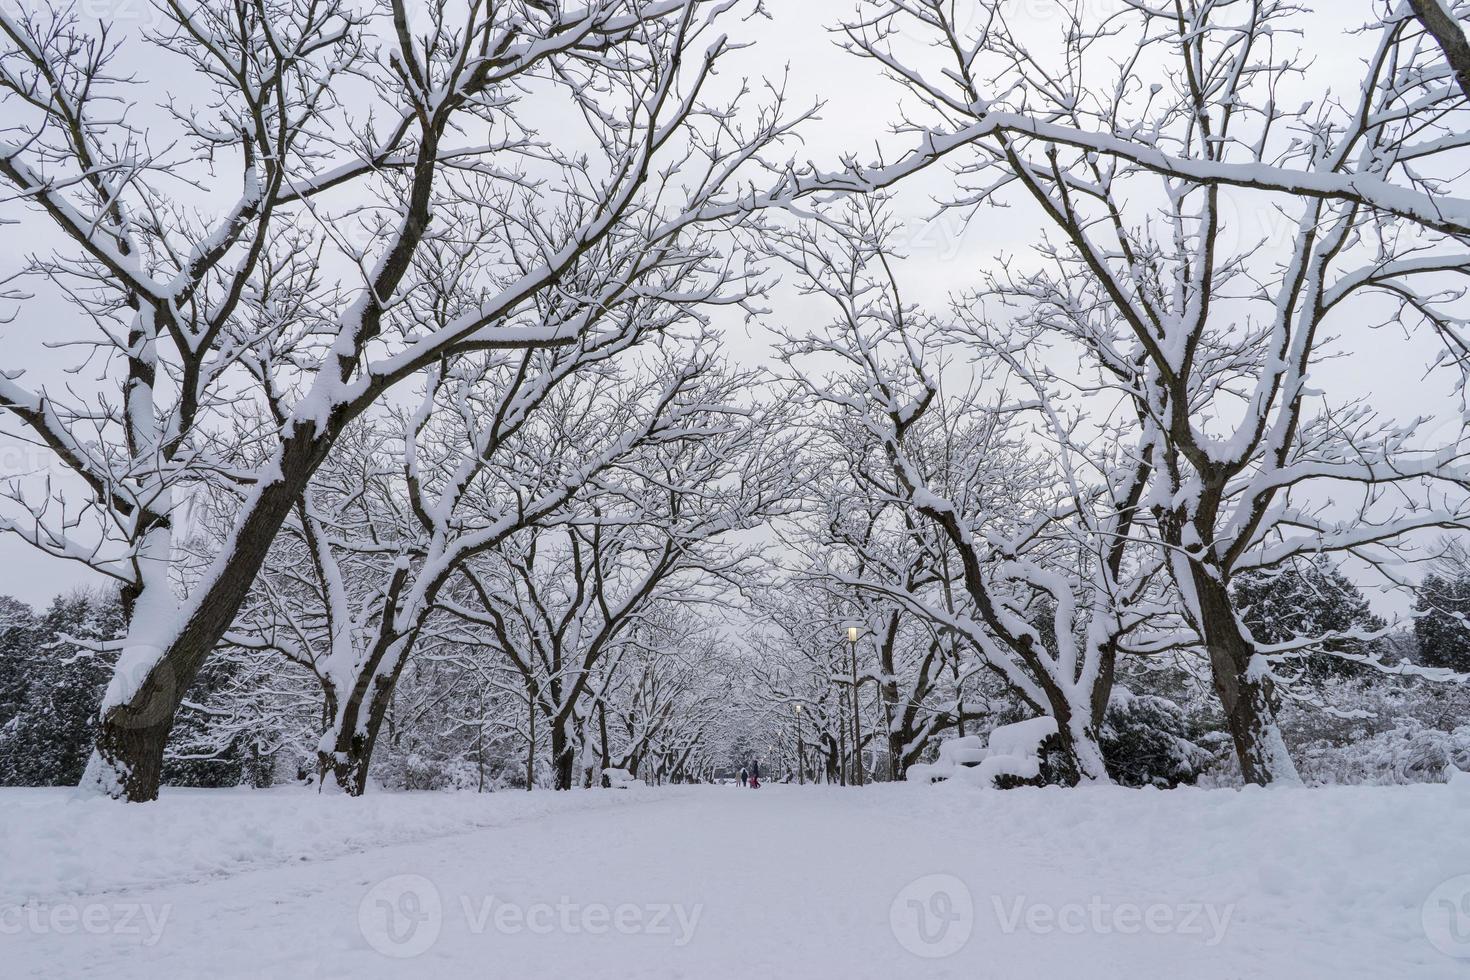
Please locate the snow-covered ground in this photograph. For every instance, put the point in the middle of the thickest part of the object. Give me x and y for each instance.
(886, 881)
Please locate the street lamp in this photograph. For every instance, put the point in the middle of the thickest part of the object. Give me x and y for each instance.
(857, 731)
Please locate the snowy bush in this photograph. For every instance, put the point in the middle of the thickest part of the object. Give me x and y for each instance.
(1368, 731)
(412, 770)
(1404, 754)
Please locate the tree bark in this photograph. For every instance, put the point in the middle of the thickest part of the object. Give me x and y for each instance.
(531, 743)
(1078, 738)
(563, 757)
(1450, 36)
(1245, 693)
(602, 731)
(351, 757)
(127, 762)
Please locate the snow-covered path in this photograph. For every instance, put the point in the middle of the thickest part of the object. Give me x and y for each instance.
(815, 882)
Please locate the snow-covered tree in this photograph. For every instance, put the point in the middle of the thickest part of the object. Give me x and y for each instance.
(359, 142)
(1214, 336)
(916, 668)
(1051, 584)
(563, 597)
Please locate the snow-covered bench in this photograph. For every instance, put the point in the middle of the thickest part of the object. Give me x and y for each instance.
(1013, 753)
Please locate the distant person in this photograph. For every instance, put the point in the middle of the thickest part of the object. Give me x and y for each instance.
(755, 774)
(744, 777)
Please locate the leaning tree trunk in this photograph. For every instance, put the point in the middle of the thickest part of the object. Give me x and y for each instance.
(127, 760)
(161, 657)
(144, 693)
(1245, 692)
(136, 718)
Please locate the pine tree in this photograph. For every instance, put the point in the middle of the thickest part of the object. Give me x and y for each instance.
(1443, 635)
(18, 634)
(50, 688)
(1307, 600)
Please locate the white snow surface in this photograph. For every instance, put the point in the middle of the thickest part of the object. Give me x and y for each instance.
(784, 881)
(60, 843)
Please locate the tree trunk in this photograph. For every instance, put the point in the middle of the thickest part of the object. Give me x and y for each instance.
(127, 761)
(1078, 735)
(360, 715)
(1245, 693)
(151, 678)
(351, 755)
(602, 730)
(1102, 688)
(531, 743)
(563, 757)
(892, 708)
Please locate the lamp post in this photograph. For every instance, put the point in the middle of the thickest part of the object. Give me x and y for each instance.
(841, 718)
(857, 730)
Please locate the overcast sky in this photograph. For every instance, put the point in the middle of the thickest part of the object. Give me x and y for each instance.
(947, 254)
